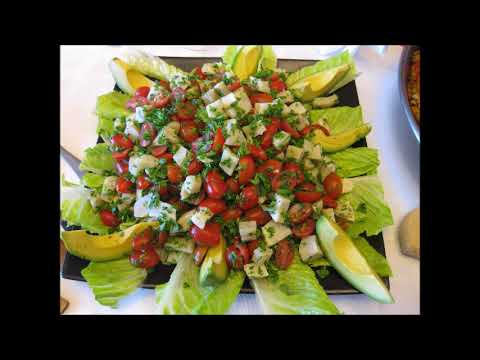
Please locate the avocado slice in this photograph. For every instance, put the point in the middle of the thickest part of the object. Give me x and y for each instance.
(127, 79)
(102, 247)
(319, 83)
(214, 268)
(343, 140)
(344, 256)
(246, 61)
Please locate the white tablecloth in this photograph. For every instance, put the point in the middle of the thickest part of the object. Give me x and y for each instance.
(85, 75)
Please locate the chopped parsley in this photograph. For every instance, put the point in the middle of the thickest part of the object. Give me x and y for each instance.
(226, 162)
(158, 175)
(159, 117)
(263, 184)
(231, 199)
(263, 74)
(270, 231)
(275, 109)
(323, 272)
(243, 150)
(272, 272)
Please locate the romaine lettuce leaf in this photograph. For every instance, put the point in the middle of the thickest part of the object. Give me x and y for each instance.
(98, 159)
(229, 55)
(76, 208)
(112, 105)
(296, 291)
(112, 280)
(372, 213)
(377, 261)
(353, 162)
(184, 295)
(150, 65)
(339, 119)
(268, 59)
(343, 58)
(93, 181)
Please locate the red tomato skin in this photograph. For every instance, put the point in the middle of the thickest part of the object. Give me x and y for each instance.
(142, 91)
(194, 167)
(125, 186)
(305, 229)
(257, 152)
(108, 218)
(270, 167)
(233, 185)
(120, 155)
(231, 214)
(308, 196)
(157, 151)
(247, 169)
(122, 141)
(333, 185)
(248, 197)
(209, 236)
(216, 187)
(216, 206)
(257, 214)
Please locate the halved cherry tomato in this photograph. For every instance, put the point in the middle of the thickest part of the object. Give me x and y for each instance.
(244, 252)
(305, 229)
(306, 187)
(174, 173)
(146, 258)
(309, 128)
(300, 212)
(161, 101)
(234, 86)
(292, 167)
(189, 131)
(234, 258)
(194, 167)
(122, 141)
(161, 239)
(186, 111)
(108, 218)
(248, 197)
(199, 254)
(163, 190)
(143, 239)
(120, 155)
(125, 186)
(218, 141)
(247, 169)
(257, 152)
(329, 202)
(157, 151)
(122, 167)
(167, 156)
(277, 85)
(216, 206)
(216, 187)
(308, 196)
(270, 167)
(333, 185)
(135, 101)
(261, 98)
(231, 214)
(274, 77)
(286, 179)
(252, 245)
(208, 236)
(233, 185)
(147, 134)
(283, 254)
(271, 129)
(285, 126)
(198, 71)
(142, 91)
(143, 183)
(257, 214)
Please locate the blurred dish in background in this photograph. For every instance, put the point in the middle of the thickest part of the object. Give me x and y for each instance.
(413, 85)
(409, 86)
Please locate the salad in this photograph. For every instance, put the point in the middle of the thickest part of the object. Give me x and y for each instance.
(236, 169)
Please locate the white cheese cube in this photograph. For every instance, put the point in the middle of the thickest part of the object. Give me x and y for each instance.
(131, 130)
(314, 173)
(169, 133)
(164, 212)
(327, 167)
(230, 125)
(228, 100)
(281, 139)
(262, 199)
(191, 185)
(140, 114)
(255, 271)
(309, 248)
(215, 109)
(317, 207)
(210, 96)
(96, 201)
(126, 200)
(294, 153)
(347, 186)
(274, 232)
(279, 213)
(329, 213)
(231, 112)
(236, 138)
(109, 188)
(286, 96)
(182, 156)
(228, 75)
(140, 208)
(308, 164)
(247, 230)
(119, 124)
(136, 164)
(229, 161)
(244, 104)
(259, 85)
(260, 108)
(261, 256)
(180, 80)
(298, 108)
(344, 210)
(221, 89)
(209, 69)
(301, 123)
(201, 216)
(280, 156)
(312, 151)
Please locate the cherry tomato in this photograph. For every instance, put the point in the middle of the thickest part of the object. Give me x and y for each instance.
(333, 185)
(233, 185)
(244, 252)
(306, 187)
(292, 167)
(125, 186)
(304, 229)
(161, 239)
(308, 196)
(285, 126)
(135, 101)
(277, 85)
(208, 236)
(231, 214)
(257, 152)
(122, 167)
(248, 197)
(283, 255)
(247, 169)
(261, 98)
(167, 156)
(146, 258)
(218, 141)
(252, 245)
(234, 258)
(298, 213)
(143, 183)
(157, 151)
(257, 214)
(198, 71)
(199, 254)
(309, 128)
(142, 91)
(147, 134)
(108, 218)
(234, 86)
(143, 239)
(216, 206)
(216, 187)
(194, 167)
(274, 77)
(270, 167)
(178, 204)
(174, 173)
(186, 111)
(163, 190)
(120, 155)
(286, 179)
(161, 101)
(267, 137)
(189, 131)
(122, 141)
(329, 202)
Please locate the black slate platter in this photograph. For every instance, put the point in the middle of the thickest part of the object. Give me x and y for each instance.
(333, 284)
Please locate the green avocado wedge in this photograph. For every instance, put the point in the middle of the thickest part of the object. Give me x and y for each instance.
(341, 141)
(349, 261)
(101, 248)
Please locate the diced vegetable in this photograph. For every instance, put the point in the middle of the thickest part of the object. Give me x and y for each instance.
(259, 85)
(286, 96)
(312, 151)
(297, 108)
(274, 232)
(279, 213)
(108, 189)
(210, 96)
(140, 114)
(182, 156)
(260, 108)
(137, 164)
(347, 186)
(215, 109)
(344, 210)
(329, 213)
(221, 89)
